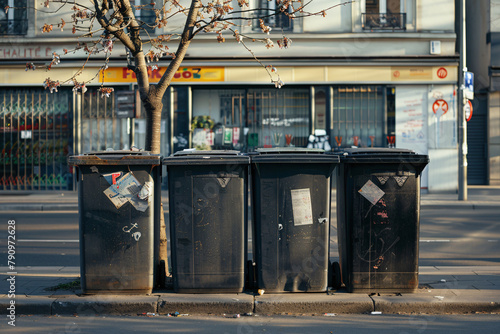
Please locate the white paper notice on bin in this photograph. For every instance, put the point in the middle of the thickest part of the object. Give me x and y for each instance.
(302, 208)
(371, 192)
(126, 190)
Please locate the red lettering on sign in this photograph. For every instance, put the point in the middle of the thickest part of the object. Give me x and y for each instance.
(396, 74)
(442, 73)
(187, 75)
(126, 72)
(155, 74)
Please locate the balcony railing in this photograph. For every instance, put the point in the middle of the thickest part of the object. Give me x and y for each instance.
(392, 21)
(278, 22)
(13, 27)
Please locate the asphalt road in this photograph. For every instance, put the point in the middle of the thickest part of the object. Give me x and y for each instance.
(373, 324)
(458, 237)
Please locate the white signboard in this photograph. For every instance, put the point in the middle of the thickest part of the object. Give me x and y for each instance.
(442, 117)
(411, 118)
(411, 121)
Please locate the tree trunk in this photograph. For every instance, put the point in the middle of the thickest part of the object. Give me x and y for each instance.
(153, 144)
(151, 96)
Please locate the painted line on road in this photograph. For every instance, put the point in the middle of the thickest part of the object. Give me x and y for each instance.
(37, 240)
(63, 275)
(435, 241)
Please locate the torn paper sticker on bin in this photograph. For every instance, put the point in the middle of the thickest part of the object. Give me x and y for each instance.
(112, 177)
(126, 189)
(302, 208)
(371, 192)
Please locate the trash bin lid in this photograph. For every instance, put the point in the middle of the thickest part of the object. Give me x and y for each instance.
(381, 155)
(120, 157)
(292, 155)
(199, 157)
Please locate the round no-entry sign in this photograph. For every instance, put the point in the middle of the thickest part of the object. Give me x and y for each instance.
(440, 107)
(468, 110)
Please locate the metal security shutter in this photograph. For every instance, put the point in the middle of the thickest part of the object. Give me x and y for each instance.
(476, 157)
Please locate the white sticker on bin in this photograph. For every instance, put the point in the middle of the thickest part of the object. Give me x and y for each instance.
(302, 208)
(371, 192)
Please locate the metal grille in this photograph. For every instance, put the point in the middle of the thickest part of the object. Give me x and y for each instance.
(389, 21)
(358, 116)
(278, 117)
(35, 137)
(101, 128)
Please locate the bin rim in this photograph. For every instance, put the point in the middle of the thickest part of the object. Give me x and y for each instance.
(384, 156)
(373, 150)
(289, 150)
(194, 152)
(199, 157)
(295, 158)
(119, 157)
(381, 155)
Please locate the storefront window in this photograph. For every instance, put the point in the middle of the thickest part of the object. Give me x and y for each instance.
(358, 116)
(248, 119)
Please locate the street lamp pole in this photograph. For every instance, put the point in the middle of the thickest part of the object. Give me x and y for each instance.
(462, 123)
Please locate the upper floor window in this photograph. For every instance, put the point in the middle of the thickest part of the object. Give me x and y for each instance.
(384, 15)
(145, 14)
(15, 20)
(274, 15)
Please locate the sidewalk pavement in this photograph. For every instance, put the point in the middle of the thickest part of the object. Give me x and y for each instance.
(442, 289)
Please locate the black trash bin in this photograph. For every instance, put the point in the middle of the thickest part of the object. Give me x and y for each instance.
(119, 202)
(378, 209)
(208, 220)
(291, 215)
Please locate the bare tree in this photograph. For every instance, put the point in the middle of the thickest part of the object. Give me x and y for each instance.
(115, 21)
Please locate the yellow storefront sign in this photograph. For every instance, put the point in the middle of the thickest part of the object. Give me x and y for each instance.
(184, 74)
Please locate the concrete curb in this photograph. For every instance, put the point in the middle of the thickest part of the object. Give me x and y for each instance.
(313, 303)
(115, 305)
(206, 303)
(437, 302)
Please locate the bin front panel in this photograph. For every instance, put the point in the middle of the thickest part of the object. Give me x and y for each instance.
(208, 227)
(291, 216)
(382, 228)
(116, 244)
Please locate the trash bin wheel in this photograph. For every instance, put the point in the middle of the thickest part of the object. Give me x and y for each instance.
(161, 275)
(335, 276)
(250, 279)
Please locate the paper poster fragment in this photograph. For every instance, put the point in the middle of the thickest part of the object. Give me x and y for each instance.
(302, 208)
(371, 192)
(127, 189)
(112, 177)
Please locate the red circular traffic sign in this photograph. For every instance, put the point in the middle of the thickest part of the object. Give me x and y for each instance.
(440, 105)
(468, 110)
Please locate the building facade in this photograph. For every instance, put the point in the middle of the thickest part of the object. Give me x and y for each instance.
(372, 73)
(483, 58)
